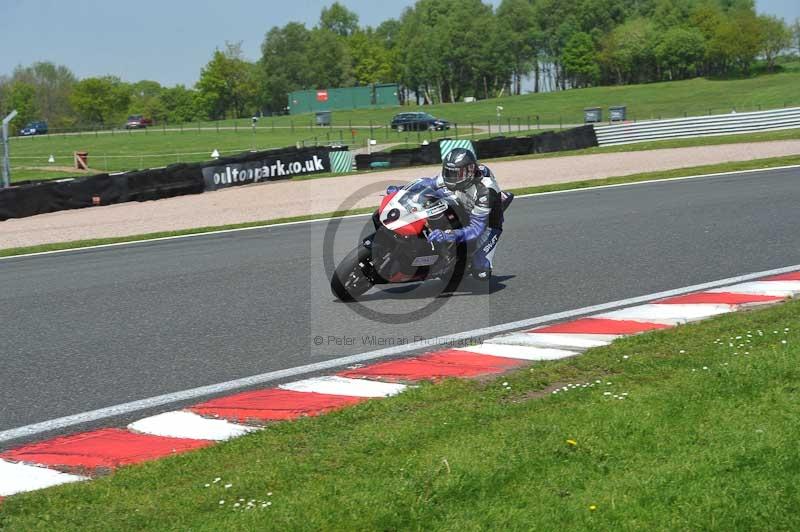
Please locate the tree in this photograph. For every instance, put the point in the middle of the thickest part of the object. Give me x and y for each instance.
(796, 34)
(52, 85)
(736, 41)
(516, 24)
(101, 101)
(146, 100)
(328, 60)
(284, 63)
(22, 97)
(680, 52)
(371, 61)
(775, 38)
(180, 104)
(338, 19)
(226, 84)
(629, 51)
(580, 60)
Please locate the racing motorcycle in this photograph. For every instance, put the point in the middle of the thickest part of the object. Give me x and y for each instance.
(399, 252)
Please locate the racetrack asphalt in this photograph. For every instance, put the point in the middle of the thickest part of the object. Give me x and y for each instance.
(93, 328)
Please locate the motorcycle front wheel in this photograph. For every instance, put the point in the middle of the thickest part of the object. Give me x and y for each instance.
(348, 281)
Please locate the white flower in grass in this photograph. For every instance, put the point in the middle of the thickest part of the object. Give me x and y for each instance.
(217, 480)
(236, 505)
(269, 494)
(681, 351)
(228, 486)
(598, 382)
(625, 357)
(783, 342)
(208, 485)
(222, 502)
(606, 393)
(705, 368)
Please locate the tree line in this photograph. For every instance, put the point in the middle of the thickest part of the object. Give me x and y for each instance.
(438, 51)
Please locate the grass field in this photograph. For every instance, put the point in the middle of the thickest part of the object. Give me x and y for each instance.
(194, 142)
(157, 147)
(693, 428)
(668, 99)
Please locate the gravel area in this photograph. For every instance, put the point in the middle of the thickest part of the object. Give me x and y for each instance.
(295, 198)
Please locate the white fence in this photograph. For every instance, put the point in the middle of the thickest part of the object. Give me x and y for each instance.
(698, 126)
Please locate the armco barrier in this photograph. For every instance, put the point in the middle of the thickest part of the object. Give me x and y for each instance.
(40, 197)
(698, 126)
(571, 139)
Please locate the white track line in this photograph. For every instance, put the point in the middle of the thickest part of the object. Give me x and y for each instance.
(180, 424)
(520, 352)
(16, 478)
(317, 220)
(238, 384)
(670, 314)
(333, 385)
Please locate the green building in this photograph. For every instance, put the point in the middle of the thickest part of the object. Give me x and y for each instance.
(370, 96)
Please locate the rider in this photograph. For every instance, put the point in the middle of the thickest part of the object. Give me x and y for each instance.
(474, 187)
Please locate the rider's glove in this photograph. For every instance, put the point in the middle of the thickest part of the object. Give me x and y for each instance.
(437, 235)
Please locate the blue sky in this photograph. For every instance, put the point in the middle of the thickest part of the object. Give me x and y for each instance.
(170, 40)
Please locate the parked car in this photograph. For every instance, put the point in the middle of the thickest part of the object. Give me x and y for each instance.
(34, 128)
(138, 122)
(418, 121)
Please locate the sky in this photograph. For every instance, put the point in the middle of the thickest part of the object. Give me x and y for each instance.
(169, 41)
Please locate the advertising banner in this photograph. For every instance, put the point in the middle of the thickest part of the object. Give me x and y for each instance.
(268, 168)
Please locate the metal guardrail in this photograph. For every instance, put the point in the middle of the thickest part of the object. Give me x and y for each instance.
(698, 126)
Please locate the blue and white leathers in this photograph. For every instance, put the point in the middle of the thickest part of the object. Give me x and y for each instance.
(483, 201)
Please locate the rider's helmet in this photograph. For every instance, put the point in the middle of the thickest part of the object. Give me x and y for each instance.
(460, 169)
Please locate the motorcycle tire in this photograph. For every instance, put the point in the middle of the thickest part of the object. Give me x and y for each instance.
(348, 281)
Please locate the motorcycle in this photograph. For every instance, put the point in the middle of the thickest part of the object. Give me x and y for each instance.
(399, 252)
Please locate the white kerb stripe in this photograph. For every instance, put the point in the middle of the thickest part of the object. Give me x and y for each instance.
(343, 386)
(671, 314)
(17, 478)
(765, 288)
(571, 342)
(180, 424)
(520, 352)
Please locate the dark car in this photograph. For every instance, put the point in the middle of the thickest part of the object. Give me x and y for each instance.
(418, 121)
(34, 128)
(138, 122)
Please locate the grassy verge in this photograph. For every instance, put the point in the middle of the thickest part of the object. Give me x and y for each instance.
(686, 429)
(696, 170)
(693, 97)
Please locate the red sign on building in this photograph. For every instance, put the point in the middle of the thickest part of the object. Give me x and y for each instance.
(322, 96)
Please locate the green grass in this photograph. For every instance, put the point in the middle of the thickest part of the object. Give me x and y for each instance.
(667, 174)
(154, 147)
(668, 99)
(704, 439)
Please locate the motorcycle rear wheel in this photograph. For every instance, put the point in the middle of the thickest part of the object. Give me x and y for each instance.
(348, 280)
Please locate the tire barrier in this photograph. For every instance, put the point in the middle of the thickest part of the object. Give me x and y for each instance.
(495, 147)
(38, 197)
